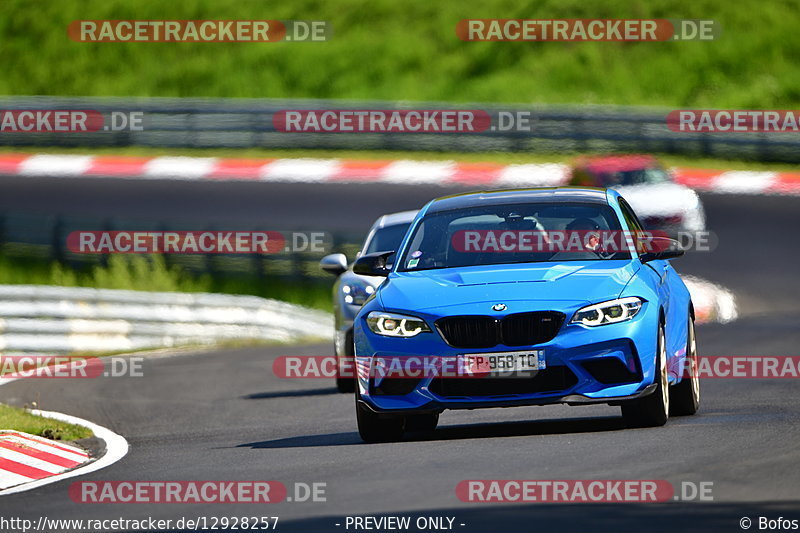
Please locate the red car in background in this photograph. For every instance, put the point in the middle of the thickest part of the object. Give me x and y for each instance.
(660, 202)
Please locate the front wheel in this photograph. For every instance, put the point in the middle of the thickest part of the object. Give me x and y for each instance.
(346, 384)
(653, 409)
(373, 427)
(685, 396)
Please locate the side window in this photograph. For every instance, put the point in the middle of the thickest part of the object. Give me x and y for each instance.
(632, 221)
(630, 217)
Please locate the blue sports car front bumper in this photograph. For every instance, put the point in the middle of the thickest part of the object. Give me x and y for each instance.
(601, 364)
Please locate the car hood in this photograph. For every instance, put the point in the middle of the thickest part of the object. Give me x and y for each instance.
(662, 199)
(578, 281)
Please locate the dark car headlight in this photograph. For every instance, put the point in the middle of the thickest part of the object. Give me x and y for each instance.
(610, 312)
(396, 325)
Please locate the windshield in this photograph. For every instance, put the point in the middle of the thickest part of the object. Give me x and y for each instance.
(505, 234)
(386, 238)
(634, 177)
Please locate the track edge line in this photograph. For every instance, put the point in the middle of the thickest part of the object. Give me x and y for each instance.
(116, 448)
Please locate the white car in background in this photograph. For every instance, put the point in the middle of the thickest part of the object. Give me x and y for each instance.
(351, 290)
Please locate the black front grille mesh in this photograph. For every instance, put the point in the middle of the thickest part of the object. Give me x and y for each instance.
(530, 328)
(469, 331)
(520, 329)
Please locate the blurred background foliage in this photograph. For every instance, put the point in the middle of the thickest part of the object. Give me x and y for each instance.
(409, 51)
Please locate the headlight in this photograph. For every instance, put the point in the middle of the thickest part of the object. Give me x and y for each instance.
(394, 325)
(610, 312)
(357, 293)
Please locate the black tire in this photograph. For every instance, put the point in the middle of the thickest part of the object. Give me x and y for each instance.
(685, 396)
(346, 384)
(425, 423)
(378, 428)
(653, 409)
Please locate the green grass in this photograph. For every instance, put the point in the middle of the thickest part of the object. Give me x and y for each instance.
(384, 49)
(21, 420)
(151, 273)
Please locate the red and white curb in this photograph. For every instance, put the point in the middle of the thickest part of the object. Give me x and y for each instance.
(25, 458)
(28, 462)
(409, 172)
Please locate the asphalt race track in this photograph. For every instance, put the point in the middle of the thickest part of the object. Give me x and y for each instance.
(224, 416)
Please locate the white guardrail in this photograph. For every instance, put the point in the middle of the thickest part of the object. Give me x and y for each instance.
(42, 318)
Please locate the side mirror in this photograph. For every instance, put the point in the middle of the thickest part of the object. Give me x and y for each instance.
(372, 264)
(661, 248)
(335, 264)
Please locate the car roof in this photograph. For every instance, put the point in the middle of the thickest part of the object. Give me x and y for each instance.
(393, 219)
(520, 196)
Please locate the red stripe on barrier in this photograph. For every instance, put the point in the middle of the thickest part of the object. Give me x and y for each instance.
(238, 168)
(697, 178)
(787, 183)
(476, 173)
(9, 164)
(23, 470)
(360, 170)
(118, 166)
(39, 454)
(42, 440)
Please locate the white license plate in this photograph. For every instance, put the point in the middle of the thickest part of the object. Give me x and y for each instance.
(504, 363)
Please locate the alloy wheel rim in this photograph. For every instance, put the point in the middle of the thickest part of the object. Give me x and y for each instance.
(664, 378)
(694, 378)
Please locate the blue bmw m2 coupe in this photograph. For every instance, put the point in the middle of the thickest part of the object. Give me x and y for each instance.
(524, 297)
